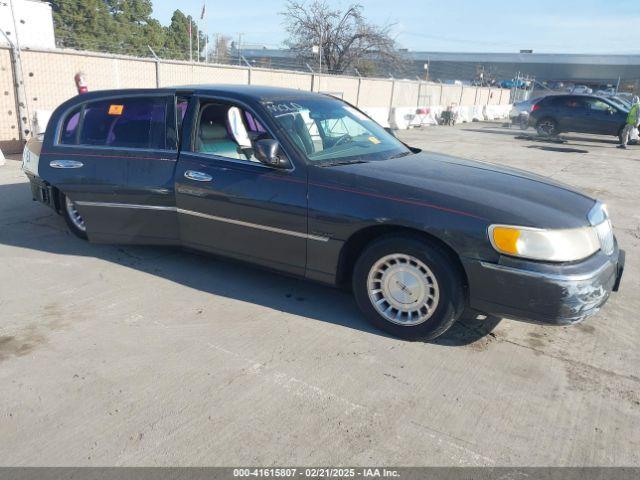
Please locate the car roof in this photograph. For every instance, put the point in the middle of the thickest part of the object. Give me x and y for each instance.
(254, 92)
(582, 95)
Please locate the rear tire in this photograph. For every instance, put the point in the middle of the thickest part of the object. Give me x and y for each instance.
(524, 122)
(409, 287)
(547, 127)
(72, 217)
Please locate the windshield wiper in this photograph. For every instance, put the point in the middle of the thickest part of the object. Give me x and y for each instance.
(401, 154)
(341, 162)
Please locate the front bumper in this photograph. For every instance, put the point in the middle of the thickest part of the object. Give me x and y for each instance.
(542, 292)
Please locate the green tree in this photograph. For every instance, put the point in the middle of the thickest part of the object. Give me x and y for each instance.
(83, 24)
(177, 38)
(125, 27)
(135, 28)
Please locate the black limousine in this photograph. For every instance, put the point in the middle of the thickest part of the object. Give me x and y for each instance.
(309, 185)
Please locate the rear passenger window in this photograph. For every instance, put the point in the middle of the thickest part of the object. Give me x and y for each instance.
(68, 135)
(120, 123)
(569, 102)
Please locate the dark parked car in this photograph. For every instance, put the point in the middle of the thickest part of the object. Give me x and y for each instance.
(577, 113)
(309, 185)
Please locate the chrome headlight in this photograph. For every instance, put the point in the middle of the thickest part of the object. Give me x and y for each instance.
(599, 218)
(558, 245)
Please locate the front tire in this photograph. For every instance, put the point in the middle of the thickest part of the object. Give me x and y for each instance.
(72, 217)
(409, 287)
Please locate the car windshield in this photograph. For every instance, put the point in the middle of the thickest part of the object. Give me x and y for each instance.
(331, 132)
(619, 103)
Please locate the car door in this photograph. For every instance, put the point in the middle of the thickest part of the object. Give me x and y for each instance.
(572, 114)
(603, 118)
(231, 204)
(114, 157)
(608, 118)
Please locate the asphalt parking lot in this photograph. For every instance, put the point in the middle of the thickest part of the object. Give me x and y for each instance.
(116, 355)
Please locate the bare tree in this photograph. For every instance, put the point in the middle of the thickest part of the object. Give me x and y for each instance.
(221, 51)
(345, 38)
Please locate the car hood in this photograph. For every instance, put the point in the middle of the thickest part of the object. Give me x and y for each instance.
(494, 193)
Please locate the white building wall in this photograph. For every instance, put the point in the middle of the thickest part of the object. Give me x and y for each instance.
(34, 21)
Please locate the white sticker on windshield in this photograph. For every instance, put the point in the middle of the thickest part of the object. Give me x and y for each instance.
(283, 107)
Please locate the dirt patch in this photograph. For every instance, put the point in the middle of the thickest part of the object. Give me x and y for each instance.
(583, 378)
(22, 344)
(483, 343)
(34, 335)
(586, 328)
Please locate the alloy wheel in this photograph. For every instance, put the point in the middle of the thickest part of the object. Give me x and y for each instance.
(74, 215)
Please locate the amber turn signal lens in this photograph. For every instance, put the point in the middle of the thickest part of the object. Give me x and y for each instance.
(506, 239)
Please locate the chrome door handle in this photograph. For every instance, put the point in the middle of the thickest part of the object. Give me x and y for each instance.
(65, 164)
(198, 176)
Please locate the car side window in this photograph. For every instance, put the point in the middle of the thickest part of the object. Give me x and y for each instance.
(599, 105)
(570, 102)
(69, 131)
(136, 122)
(215, 136)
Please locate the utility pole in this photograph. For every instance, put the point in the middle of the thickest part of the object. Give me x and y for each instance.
(190, 40)
(320, 51)
(239, 47)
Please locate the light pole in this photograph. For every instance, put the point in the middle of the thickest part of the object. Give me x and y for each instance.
(239, 48)
(320, 51)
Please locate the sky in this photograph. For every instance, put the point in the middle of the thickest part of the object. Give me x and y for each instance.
(546, 26)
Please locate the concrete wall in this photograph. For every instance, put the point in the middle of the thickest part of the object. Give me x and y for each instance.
(281, 78)
(346, 88)
(405, 93)
(375, 93)
(48, 81)
(171, 74)
(48, 76)
(468, 96)
(451, 94)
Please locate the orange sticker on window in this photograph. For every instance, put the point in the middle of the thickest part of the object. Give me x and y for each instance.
(374, 140)
(115, 109)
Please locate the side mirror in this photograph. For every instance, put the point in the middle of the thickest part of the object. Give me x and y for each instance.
(268, 151)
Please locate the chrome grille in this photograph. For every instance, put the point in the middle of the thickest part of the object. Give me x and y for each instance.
(605, 235)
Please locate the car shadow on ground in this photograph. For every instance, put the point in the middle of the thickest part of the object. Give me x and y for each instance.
(498, 130)
(30, 225)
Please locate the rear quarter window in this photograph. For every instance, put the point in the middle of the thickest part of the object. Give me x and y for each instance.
(118, 123)
(69, 131)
